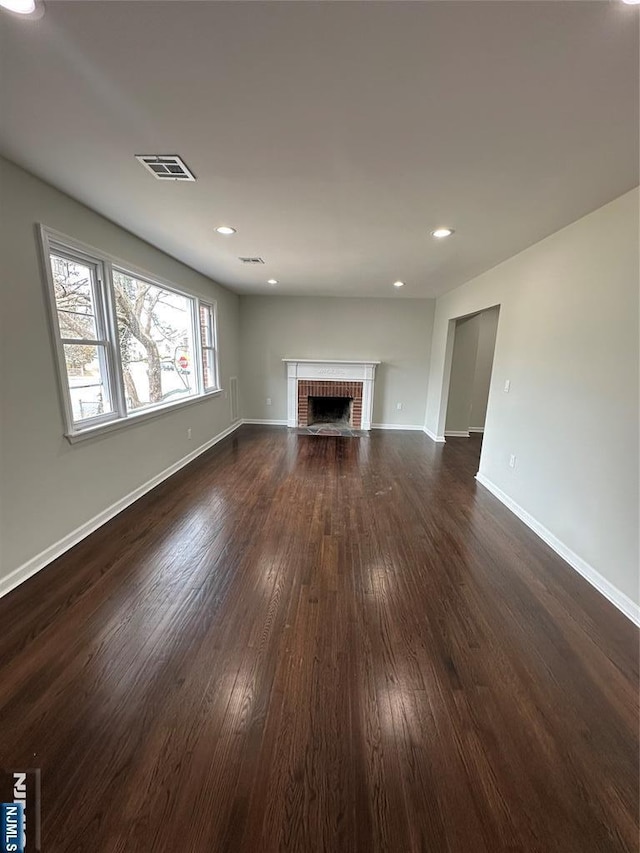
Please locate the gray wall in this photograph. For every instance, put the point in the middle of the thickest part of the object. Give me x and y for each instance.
(568, 342)
(463, 369)
(487, 331)
(472, 360)
(567, 339)
(47, 486)
(395, 332)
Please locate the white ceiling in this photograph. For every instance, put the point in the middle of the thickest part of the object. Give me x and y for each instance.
(333, 136)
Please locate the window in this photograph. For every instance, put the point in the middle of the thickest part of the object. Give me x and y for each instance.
(208, 338)
(127, 345)
(77, 286)
(157, 351)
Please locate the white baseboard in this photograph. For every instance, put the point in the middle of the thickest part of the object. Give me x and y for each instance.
(35, 564)
(373, 426)
(439, 438)
(630, 609)
(397, 426)
(264, 421)
(476, 429)
(457, 433)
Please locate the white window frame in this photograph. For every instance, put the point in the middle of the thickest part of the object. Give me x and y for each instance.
(194, 303)
(213, 334)
(103, 264)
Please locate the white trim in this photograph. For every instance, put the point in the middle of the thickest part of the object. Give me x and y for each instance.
(301, 369)
(103, 265)
(415, 427)
(397, 426)
(457, 433)
(139, 417)
(327, 361)
(49, 245)
(476, 429)
(266, 421)
(124, 266)
(630, 609)
(212, 307)
(439, 438)
(35, 564)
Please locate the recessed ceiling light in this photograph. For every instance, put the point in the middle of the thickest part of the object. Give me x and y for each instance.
(23, 7)
(398, 283)
(439, 233)
(631, 2)
(226, 230)
(272, 281)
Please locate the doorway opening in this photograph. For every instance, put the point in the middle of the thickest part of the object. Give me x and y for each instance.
(474, 344)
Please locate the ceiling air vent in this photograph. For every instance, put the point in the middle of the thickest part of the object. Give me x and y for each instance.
(251, 260)
(166, 167)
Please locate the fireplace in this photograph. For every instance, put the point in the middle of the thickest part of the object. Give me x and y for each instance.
(330, 392)
(349, 392)
(330, 410)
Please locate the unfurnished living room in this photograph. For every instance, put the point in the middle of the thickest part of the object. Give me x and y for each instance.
(319, 426)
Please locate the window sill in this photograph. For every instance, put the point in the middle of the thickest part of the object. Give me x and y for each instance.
(132, 420)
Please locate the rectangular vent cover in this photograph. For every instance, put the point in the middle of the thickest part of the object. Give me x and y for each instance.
(166, 167)
(251, 260)
(234, 399)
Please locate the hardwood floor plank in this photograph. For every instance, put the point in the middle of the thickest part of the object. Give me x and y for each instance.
(322, 644)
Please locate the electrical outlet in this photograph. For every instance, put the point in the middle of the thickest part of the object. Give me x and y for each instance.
(399, 406)
(189, 433)
(268, 401)
(507, 386)
(512, 461)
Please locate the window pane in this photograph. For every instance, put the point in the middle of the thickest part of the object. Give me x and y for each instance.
(73, 288)
(87, 377)
(205, 325)
(74, 325)
(209, 366)
(156, 342)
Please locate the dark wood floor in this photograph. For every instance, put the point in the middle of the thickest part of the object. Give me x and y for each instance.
(305, 643)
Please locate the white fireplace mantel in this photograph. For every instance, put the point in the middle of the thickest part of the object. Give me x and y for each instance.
(330, 368)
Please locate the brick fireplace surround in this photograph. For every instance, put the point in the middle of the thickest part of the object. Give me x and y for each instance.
(326, 388)
(329, 378)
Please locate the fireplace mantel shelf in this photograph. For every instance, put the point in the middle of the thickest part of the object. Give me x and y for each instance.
(327, 361)
(330, 370)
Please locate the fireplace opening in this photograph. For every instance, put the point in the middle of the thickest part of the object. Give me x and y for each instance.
(330, 410)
